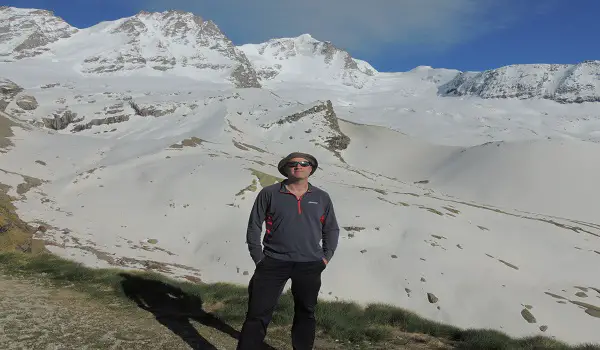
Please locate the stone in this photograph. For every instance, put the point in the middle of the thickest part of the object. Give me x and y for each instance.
(27, 102)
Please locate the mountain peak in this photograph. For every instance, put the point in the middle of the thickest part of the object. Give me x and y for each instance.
(19, 10)
(307, 58)
(169, 41)
(305, 38)
(169, 23)
(29, 31)
(169, 14)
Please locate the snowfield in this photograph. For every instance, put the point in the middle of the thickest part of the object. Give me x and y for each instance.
(473, 211)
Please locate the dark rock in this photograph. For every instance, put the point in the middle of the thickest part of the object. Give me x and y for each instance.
(4, 228)
(432, 298)
(151, 110)
(353, 228)
(528, 316)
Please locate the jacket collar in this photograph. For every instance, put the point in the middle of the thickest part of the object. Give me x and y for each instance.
(283, 188)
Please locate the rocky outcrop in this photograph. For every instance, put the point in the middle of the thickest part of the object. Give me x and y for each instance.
(61, 121)
(8, 91)
(297, 116)
(339, 141)
(152, 110)
(27, 102)
(320, 117)
(244, 76)
(100, 121)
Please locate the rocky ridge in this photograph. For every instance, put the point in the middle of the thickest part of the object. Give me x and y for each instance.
(320, 125)
(562, 83)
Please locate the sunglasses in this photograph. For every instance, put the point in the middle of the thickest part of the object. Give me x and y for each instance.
(302, 163)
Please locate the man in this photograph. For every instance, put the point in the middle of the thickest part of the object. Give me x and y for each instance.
(298, 217)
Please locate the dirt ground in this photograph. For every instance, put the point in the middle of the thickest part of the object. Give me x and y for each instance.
(36, 315)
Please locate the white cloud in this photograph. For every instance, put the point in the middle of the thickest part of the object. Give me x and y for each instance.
(357, 25)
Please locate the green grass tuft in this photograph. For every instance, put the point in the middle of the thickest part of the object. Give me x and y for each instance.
(265, 179)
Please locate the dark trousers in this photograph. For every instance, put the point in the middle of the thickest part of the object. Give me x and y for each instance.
(264, 291)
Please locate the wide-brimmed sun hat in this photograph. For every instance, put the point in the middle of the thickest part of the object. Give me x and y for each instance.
(310, 158)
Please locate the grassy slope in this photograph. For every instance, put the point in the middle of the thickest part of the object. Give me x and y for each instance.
(376, 324)
(14, 234)
(337, 320)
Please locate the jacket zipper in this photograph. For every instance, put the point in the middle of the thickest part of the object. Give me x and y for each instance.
(298, 200)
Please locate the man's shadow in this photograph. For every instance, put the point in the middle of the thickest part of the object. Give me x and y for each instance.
(174, 309)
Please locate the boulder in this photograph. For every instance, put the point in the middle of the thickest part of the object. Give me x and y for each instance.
(8, 90)
(27, 102)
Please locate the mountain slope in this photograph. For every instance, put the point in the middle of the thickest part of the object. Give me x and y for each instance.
(384, 151)
(556, 177)
(171, 193)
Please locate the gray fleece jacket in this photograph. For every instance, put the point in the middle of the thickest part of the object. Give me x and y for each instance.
(294, 227)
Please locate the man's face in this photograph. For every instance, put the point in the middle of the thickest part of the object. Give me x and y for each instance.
(299, 168)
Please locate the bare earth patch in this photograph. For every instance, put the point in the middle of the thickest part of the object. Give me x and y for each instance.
(36, 315)
(5, 132)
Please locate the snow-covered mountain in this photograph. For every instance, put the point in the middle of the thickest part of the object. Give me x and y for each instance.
(27, 32)
(184, 44)
(147, 42)
(164, 41)
(574, 83)
(133, 144)
(305, 59)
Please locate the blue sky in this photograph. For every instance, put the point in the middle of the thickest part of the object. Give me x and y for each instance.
(392, 35)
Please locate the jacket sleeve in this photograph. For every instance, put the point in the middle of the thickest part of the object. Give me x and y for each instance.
(255, 222)
(331, 231)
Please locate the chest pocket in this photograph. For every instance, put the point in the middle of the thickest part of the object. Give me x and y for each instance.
(313, 207)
